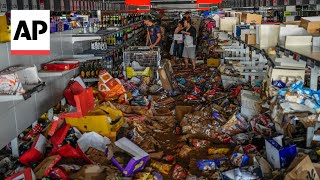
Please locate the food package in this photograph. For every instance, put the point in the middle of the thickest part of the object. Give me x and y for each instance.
(108, 86)
(26, 174)
(239, 159)
(45, 167)
(18, 79)
(36, 152)
(137, 162)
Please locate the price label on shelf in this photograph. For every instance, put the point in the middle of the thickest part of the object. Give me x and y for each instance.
(14, 5)
(310, 63)
(286, 53)
(296, 56)
(311, 1)
(34, 5)
(41, 4)
(51, 5)
(298, 2)
(3, 6)
(62, 5)
(25, 4)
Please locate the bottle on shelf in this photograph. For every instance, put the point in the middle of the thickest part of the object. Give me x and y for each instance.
(82, 70)
(93, 45)
(93, 72)
(88, 71)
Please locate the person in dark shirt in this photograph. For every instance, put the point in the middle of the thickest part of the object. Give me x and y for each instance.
(178, 44)
(153, 33)
(190, 40)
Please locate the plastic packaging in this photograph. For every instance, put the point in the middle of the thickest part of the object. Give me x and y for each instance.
(224, 151)
(239, 159)
(161, 167)
(208, 165)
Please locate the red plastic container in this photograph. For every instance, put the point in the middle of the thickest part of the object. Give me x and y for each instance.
(60, 65)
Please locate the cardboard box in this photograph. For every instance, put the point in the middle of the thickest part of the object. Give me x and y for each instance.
(212, 62)
(36, 152)
(292, 23)
(250, 38)
(301, 168)
(251, 18)
(311, 24)
(227, 23)
(238, 28)
(251, 104)
(137, 162)
(278, 155)
(45, 167)
(26, 174)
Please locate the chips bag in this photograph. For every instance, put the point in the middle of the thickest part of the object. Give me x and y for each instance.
(109, 87)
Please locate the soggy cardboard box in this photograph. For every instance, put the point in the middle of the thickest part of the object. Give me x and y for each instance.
(278, 154)
(181, 111)
(301, 168)
(311, 24)
(250, 39)
(227, 23)
(251, 18)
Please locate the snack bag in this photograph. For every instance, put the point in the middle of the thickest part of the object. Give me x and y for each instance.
(108, 86)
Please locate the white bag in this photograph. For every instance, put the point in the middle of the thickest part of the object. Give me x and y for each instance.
(178, 37)
(171, 48)
(188, 41)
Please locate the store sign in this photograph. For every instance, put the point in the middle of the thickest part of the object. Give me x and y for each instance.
(30, 32)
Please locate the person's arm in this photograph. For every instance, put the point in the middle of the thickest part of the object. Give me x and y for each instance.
(157, 41)
(158, 31)
(147, 38)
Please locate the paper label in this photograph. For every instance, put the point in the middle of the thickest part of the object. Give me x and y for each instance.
(3, 6)
(34, 4)
(62, 5)
(52, 5)
(40, 144)
(14, 5)
(25, 4)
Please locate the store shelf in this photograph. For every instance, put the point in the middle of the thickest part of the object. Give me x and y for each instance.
(25, 96)
(44, 74)
(79, 38)
(87, 80)
(106, 32)
(305, 52)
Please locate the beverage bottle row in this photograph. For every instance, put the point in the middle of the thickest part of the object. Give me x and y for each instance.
(110, 62)
(115, 39)
(119, 20)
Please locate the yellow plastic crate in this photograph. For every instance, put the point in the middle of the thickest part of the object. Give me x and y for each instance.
(104, 120)
(213, 62)
(131, 72)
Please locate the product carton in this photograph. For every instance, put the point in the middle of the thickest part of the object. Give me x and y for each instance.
(26, 174)
(137, 162)
(251, 18)
(301, 168)
(250, 39)
(279, 155)
(311, 24)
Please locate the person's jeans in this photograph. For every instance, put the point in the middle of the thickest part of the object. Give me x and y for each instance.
(178, 50)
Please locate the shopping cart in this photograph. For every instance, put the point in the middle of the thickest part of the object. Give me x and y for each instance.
(141, 60)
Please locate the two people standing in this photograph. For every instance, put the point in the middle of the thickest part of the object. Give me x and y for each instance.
(185, 42)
